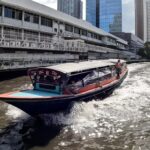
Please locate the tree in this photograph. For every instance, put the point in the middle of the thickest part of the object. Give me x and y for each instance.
(145, 52)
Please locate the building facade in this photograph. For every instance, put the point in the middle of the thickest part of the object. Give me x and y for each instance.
(32, 35)
(71, 7)
(142, 19)
(147, 20)
(92, 12)
(139, 18)
(134, 42)
(105, 14)
(111, 15)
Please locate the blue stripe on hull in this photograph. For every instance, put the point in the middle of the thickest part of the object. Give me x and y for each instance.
(33, 93)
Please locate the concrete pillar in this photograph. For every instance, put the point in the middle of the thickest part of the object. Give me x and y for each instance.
(39, 37)
(3, 13)
(23, 18)
(22, 38)
(39, 22)
(2, 32)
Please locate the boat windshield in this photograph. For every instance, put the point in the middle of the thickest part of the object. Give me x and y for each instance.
(45, 76)
(45, 79)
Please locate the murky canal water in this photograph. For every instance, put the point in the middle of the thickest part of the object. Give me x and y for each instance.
(120, 122)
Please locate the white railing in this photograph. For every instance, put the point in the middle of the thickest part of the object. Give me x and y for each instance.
(16, 39)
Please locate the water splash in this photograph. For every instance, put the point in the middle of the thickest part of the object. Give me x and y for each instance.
(119, 122)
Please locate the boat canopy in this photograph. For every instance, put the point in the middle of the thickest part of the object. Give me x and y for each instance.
(55, 78)
(71, 68)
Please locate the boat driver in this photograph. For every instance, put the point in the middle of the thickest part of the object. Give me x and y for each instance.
(118, 68)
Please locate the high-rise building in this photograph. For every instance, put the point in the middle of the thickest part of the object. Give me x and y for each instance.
(139, 18)
(105, 14)
(142, 19)
(71, 7)
(111, 15)
(147, 20)
(92, 12)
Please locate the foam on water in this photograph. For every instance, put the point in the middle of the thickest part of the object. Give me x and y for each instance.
(15, 113)
(124, 106)
(121, 121)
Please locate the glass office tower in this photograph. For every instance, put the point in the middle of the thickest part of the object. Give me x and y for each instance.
(91, 11)
(111, 15)
(71, 7)
(105, 14)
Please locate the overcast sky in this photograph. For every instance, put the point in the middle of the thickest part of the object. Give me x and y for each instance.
(128, 12)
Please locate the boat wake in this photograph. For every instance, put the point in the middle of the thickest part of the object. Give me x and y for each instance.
(113, 117)
(122, 118)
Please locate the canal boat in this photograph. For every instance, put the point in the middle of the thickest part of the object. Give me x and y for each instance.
(56, 87)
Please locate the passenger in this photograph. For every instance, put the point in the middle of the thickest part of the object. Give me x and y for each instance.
(48, 78)
(118, 68)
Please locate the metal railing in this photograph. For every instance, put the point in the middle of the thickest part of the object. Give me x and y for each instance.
(17, 39)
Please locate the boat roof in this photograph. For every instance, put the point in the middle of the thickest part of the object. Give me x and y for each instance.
(69, 68)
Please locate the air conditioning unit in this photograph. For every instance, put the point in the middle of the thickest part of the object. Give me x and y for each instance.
(33, 45)
(6, 44)
(27, 45)
(18, 44)
(42, 46)
(47, 46)
(12, 43)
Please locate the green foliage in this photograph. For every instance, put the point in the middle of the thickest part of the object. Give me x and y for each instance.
(145, 52)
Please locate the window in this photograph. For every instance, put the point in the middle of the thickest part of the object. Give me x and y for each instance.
(61, 31)
(27, 17)
(99, 37)
(13, 13)
(69, 28)
(12, 33)
(76, 30)
(84, 32)
(46, 22)
(31, 18)
(44, 37)
(55, 29)
(30, 35)
(0, 10)
(36, 19)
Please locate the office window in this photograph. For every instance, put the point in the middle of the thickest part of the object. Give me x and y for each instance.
(31, 18)
(0, 10)
(13, 13)
(46, 22)
(69, 28)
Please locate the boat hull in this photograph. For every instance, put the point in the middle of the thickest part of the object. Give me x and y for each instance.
(46, 105)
